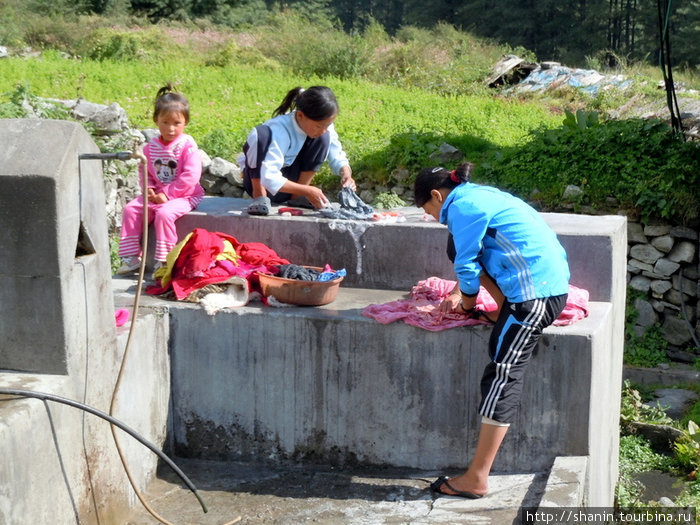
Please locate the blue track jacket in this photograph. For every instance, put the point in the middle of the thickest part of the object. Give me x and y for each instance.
(509, 239)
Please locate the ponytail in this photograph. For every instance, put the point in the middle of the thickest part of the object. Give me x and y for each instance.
(429, 179)
(317, 102)
(168, 101)
(289, 101)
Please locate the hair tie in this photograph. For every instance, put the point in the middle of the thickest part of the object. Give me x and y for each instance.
(453, 176)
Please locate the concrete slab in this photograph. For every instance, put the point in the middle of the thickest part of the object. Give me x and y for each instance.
(293, 494)
(347, 388)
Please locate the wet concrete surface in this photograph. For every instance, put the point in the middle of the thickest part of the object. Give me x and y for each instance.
(294, 494)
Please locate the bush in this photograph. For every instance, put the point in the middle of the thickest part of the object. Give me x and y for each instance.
(119, 45)
(641, 163)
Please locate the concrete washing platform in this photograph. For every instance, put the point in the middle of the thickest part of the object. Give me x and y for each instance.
(325, 495)
(280, 415)
(327, 384)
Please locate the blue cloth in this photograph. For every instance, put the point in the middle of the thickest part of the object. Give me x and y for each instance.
(329, 276)
(499, 233)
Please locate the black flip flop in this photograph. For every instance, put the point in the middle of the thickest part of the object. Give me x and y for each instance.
(443, 480)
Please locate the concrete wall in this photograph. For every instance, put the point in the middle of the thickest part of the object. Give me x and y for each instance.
(398, 255)
(57, 335)
(46, 210)
(329, 384)
(336, 386)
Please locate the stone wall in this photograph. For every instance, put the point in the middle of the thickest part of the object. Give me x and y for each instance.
(662, 264)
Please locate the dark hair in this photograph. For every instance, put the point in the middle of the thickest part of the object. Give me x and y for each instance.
(167, 101)
(317, 102)
(430, 179)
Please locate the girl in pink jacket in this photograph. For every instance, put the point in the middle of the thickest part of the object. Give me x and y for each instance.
(174, 170)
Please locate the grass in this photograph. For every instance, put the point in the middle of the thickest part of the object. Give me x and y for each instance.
(227, 102)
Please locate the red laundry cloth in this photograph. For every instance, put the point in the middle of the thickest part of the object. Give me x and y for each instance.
(200, 252)
(196, 265)
(259, 253)
(421, 308)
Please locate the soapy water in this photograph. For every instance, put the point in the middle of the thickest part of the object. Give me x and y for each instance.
(356, 229)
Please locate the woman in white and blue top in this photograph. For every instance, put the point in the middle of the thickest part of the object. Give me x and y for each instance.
(281, 156)
(502, 243)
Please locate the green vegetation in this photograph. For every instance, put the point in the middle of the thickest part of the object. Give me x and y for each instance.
(638, 162)
(401, 97)
(637, 455)
(645, 350)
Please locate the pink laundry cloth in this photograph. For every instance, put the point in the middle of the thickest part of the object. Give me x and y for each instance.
(421, 308)
(121, 316)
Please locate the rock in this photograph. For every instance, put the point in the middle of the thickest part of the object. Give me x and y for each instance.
(684, 285)
(645, 253)
(107, 119)
(635, 233)
(683, 232)
(661, 437)
(681, 356)
(665, 267)
(666, 502)
(218, 167)
(660, 287)
(637, 266)
(400, 175)
(676, 331)
(367, 196)
(572, 192)
(206, 159)
(640, 283)
(683, 252)
(656, 230)
(647, 316)
(149, 133)
(674, 401)
(664, 243)
(675, 298)
(446, 153)
(3, 52)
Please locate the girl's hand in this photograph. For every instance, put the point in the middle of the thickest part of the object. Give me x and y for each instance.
(450, 304)
(158, 198)
(316, 197)
(346, 179)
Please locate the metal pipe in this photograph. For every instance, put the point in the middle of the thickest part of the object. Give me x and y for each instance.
(120, 155)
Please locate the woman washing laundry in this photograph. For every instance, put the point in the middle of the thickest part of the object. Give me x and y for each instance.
(281, 156)
(502, 243)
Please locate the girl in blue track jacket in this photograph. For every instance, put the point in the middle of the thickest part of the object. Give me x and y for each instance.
(502, 243)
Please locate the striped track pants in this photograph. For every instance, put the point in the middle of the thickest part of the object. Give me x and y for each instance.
(514, 337)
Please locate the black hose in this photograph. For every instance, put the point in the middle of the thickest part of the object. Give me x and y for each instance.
(683, 312)
(58, 399)
(664, 16)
